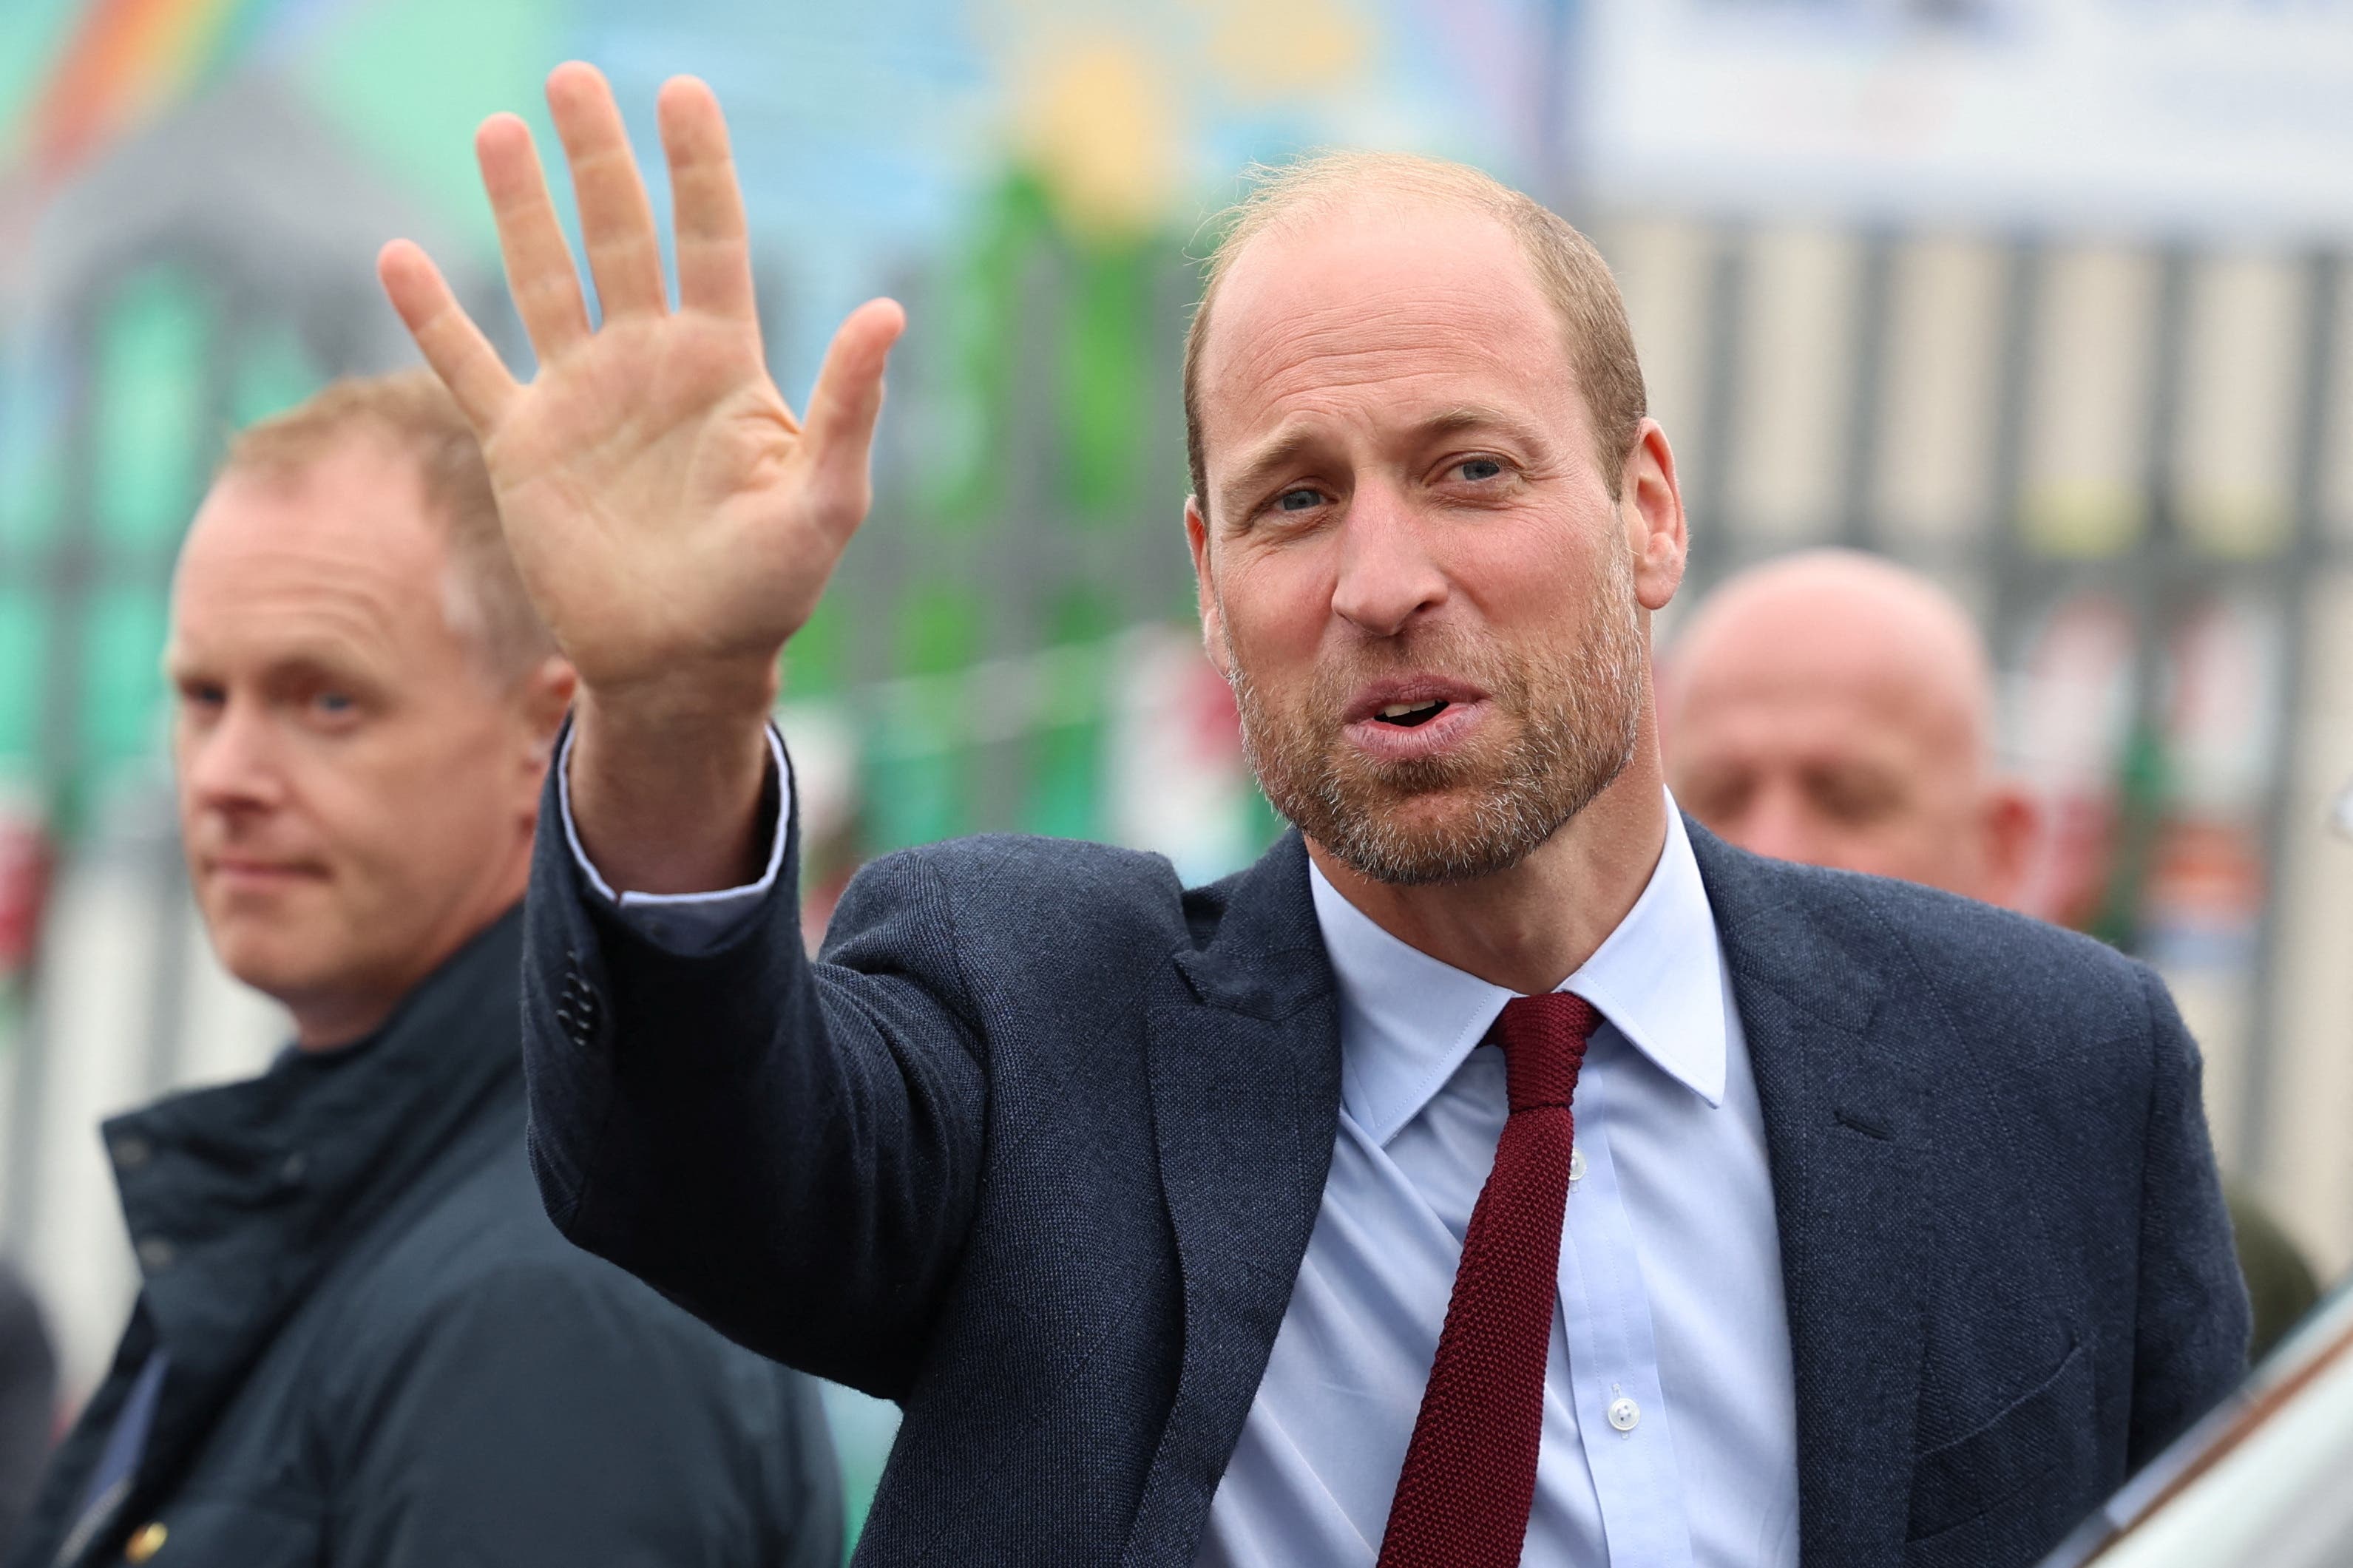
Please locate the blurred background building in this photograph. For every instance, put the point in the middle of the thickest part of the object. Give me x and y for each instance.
(2049, 297)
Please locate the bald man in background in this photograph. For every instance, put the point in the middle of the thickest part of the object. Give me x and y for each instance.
(1835, 708)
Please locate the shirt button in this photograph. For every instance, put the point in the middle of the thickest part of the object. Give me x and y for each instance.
(145, 1542)
(1575, 1163)
(155, 1254)
(1624, 1413)
(131, 1153)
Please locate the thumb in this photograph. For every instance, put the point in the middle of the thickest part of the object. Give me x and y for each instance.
(845, 403)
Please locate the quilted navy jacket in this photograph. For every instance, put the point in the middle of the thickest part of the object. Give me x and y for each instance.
(382, 1355)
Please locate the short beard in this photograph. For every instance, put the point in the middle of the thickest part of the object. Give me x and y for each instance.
(1579, 720)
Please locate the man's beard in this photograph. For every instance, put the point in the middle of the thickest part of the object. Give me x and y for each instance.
(1578, 716)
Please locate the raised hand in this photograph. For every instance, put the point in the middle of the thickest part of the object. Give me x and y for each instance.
(670, 517)
(672, 520)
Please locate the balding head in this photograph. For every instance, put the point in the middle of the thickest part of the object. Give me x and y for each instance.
(1835, 708)
(1596, 338)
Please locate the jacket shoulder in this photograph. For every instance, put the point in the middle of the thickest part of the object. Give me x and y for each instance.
(979, 862)
(492, 1330)
(2006, 962)
(1993, 972)
(486, 1247)
(1016, 887)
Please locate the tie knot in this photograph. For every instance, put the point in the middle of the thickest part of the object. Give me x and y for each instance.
(1544, 1044)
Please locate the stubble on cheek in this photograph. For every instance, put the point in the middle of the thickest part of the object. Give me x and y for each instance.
(1563, 726)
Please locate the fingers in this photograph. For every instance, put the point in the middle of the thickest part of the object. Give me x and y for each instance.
(848, 399)
(624, 255)
(714, 256)
(539, 264)
(452, 343)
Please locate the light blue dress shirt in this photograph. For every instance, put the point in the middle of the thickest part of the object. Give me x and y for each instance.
(1670, 1435)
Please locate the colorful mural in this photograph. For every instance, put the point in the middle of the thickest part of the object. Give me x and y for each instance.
(1030, 176)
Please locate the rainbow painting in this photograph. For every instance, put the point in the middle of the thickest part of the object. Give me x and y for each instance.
(123, 61)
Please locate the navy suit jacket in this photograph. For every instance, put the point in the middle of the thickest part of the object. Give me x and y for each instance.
(1036, 1148)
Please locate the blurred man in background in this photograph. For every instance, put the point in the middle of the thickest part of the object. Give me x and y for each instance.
(1835, 708)
(360, 1341)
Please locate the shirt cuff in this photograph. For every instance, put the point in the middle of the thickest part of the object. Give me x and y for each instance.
(686, 924)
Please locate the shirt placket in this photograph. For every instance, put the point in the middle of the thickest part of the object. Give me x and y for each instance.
(1622, 1420)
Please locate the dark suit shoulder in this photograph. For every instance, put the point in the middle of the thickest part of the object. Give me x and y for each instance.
(2009, 969)
(2039, 1016)
(1016, 887)
(1024, 866)
(1992, 974)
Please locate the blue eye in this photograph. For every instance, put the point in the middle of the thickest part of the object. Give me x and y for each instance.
(333, 703)
(1478, 469)
(1296, 501)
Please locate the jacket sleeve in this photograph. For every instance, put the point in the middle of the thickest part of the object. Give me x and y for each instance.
(2190, 1342)
(790, 1150)
(549, 1417)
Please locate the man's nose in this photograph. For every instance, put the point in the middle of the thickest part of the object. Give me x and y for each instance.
(1387, 574)
(1779, 825)
(232, 764)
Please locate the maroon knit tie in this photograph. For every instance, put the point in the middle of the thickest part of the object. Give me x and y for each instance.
(1470, 1474)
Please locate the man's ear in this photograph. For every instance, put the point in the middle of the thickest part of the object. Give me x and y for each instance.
(1196, 539)
(542, 697)
(2012, 821)
(1650, 503)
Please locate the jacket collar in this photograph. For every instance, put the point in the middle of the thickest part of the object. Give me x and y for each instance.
(1845, 1137)
(240, 1197)
(1407, 1020)
(1242, 1037)
(1265, 956)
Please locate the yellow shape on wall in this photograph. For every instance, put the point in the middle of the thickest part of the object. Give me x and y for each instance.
(1268, 49)
(1100, 129)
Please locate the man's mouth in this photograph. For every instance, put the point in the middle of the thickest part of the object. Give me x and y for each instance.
(241, 872)
(1410, 715)
(1407, 717)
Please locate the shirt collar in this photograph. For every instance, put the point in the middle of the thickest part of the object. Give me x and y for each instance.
(1407, 1020)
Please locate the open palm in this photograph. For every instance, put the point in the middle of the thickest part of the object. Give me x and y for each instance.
(667, 512)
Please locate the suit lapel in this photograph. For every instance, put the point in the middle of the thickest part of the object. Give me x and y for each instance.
(1244, 1057)
(1844, 1139)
